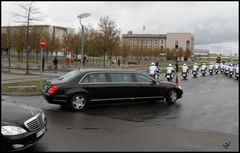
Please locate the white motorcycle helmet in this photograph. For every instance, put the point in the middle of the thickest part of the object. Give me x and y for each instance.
(204, 64)
(170, 65)
(152, 64)
(185, 64)
(195, 64)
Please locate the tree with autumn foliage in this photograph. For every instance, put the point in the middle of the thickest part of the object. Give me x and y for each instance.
(180, 53)
(187, 54)
(169, 53)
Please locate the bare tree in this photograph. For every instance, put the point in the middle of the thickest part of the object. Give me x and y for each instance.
(109, 36)
(30, 15)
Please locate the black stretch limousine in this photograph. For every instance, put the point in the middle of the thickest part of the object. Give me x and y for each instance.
(81, 87)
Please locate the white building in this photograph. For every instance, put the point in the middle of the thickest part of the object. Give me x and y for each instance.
(159, 41)
(201, 52)
(55, 31)
(180, 40)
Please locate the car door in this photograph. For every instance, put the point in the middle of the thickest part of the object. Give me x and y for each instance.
(97, 85)
(147, 88)
(123, 86)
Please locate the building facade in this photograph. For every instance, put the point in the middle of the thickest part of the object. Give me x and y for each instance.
(180, 40)
(55, 31)
(156, 41)
(159, 41)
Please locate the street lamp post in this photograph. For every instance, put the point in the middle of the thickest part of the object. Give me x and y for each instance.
(83, 15)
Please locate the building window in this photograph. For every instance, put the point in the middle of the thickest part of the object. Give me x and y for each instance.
(176, 44)
(187, 44)
(161, 41)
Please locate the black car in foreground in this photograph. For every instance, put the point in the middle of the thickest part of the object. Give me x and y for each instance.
(81, 87)
(22, 126)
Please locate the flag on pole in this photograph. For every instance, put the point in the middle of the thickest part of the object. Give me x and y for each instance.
(144, 27)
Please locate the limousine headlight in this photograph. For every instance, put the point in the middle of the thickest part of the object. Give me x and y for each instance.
(12, 130)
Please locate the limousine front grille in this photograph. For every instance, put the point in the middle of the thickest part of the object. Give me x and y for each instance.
(35, 122)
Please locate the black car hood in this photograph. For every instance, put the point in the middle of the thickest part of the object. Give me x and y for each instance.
(13, 113)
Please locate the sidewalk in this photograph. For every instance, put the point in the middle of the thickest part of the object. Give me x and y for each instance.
(19, 75)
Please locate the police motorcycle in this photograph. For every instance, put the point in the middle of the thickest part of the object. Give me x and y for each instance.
(226, 69)
(236, 71)
(222, 68)
(211, 68)
(195, 70)
(204, 69)
(170, 72)
(185, 71)
(216, 68)
(231, 70)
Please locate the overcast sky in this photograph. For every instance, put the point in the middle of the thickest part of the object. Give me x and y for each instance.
(213, 24)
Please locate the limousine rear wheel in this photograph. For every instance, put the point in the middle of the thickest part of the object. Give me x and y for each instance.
(171, 97)
(78, 102)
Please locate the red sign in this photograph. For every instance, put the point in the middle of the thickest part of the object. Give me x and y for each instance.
(42, 43)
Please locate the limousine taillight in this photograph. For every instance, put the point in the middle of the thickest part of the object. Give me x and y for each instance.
(52, 89)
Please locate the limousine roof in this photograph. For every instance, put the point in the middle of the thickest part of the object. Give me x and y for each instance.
(105, 70)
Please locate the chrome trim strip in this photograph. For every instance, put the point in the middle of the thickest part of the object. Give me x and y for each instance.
(113, 82)
(132, 98)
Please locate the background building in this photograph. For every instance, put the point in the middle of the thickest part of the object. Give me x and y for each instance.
(154, 41)
(55, 31)
(159, 41)
(180, 40)
(201, 52)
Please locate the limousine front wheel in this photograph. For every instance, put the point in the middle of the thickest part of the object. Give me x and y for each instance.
(171, 97)
(78, 102)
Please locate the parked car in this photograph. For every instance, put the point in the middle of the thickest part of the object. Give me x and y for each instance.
(22, 126)
(81, 87)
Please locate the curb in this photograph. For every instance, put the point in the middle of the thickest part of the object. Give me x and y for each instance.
(17, 94)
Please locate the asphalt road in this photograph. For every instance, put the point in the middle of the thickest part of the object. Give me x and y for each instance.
(205, 119)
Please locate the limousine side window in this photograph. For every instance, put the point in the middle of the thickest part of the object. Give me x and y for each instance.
(121, 77)
(143, 79)
(93, 78)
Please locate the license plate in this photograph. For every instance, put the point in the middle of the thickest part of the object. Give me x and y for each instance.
(41, 132)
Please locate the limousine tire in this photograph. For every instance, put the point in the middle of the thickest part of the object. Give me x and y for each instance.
(78, 102)
(171, 96)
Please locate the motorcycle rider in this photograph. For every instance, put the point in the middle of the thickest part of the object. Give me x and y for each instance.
(195, 69)
(185, 70)
(203, 68)
(170, 71)
(226, 70)
(231, 69)
(153, 70)
(211, 67)
(236, 69)
(216, 67)
(222, 67)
